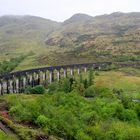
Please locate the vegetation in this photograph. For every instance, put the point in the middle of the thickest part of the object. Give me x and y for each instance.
(8, 66)
(80, 39)
(35, 90)
(3, 136)
(111, 111)
(103, 105)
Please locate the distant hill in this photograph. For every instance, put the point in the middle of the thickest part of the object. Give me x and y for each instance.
(19, 34)
(77, 18)
(79, 39)
(116, 34)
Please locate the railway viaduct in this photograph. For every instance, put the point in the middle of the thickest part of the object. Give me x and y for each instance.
(15, 82)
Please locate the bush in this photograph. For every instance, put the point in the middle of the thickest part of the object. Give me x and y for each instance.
(82, 136)
(90, 92)
(8, 66)
(137, 108)
(104, 91)
(79, 88)
(28, 90)
(90, 78)
(65, 85)
(128, 115)
(41, 120)
(85, 82)
(38, 89)
(53, 87)
(35, 90)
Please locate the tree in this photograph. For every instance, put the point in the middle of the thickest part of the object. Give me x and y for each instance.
(90, 77)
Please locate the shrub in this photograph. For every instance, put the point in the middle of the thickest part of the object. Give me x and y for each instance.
(79, 88)
(97, 73)
(28, 90)
(128, 115)
(110, 67)
(85, 82)
(103, 91)
(65, 85)
(117, 92)
(90, 92)
(126, 100)
(137, 108)
(41, 120)
(53, 87)
(82, 136)
(35, 90)
(8, 66)
(90, 77)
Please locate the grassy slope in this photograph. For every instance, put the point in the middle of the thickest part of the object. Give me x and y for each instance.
(80, 39)
(119, 80)
(24, 35)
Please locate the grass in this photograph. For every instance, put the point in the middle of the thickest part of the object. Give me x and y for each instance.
(130, 71)
(118, 80)
(4, 136)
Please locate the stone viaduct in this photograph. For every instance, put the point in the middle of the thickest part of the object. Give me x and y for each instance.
(15, 82)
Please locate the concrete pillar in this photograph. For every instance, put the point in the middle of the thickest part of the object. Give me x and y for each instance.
(7, 86)
(58, 75)
(4, 87)
(1, 88)
(65, 73)
(71, 71)
(24, 82)
(51, 76)
(85, 69)
(78, 70)
(44, 76)
(11, 86)
(30, 79)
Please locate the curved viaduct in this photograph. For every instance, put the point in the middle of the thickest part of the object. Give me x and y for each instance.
(16, 82)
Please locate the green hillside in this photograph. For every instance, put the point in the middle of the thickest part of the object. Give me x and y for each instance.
(111, 35)
(24, 35)
(79, 39)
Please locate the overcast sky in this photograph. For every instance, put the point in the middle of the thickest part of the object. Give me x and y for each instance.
(60, 10)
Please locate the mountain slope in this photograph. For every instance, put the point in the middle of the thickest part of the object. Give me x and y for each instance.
(117, 34)
(79, 39)
(21, 34)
